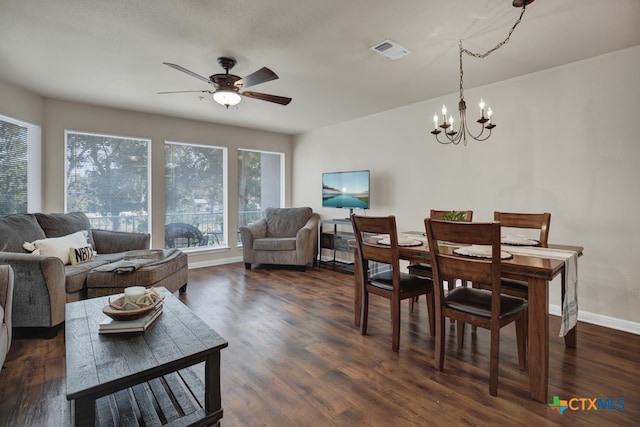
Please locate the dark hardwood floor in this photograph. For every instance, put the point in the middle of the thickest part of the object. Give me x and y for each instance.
(295, 358)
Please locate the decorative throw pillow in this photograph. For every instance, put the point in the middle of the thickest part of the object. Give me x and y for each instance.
(58, 246)
(78, 255)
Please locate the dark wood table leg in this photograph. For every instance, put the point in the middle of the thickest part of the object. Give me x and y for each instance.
(538, 336)
(357, 287)
(85, 412)
(571, 339)
(212, 394)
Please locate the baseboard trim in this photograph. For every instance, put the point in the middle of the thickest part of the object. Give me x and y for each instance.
(601, 320)
(214, 262)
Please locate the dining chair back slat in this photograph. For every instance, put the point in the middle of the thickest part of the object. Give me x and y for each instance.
(533, 221)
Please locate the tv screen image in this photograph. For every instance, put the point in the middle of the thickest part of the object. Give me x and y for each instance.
(348, 190)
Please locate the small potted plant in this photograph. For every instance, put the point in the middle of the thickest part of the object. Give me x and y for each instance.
(454, 216)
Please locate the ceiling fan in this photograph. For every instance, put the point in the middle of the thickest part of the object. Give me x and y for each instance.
(227, 86)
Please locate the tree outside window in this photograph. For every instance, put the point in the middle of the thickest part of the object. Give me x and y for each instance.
(260, 184)
(195, 177)
(107, 177)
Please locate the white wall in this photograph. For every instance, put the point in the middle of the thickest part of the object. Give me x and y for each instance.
(566, 143)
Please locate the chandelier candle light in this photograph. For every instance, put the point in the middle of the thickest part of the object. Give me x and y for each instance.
(451, 135)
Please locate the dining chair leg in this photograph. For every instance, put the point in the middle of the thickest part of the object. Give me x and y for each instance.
(451, 284)
(364, 312)
(438, 356)
(431, 311)
(460, 333)
(494, 361)
(521, 338)
(395, 314)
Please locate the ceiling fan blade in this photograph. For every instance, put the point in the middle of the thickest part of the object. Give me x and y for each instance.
(266, 97)
(184, 70)
(262, 75)
(186, 91)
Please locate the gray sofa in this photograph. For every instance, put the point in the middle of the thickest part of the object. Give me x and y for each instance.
(45, 283)
(285, 236)
(6, 297)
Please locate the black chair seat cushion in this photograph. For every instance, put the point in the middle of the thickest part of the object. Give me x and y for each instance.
(478, 302)
(408, 282)
(516, 285)
(420, 268)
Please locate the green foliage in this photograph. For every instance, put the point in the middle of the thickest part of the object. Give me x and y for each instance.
(454, 216)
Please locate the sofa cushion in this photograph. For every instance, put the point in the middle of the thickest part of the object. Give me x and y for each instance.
(285, 222)
(76, 275)
(275, 244)
(59, 246)
(19, 228)
(172, 261)
(63, 224)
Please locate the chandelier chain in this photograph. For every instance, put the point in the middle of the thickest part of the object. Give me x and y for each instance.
(499, 45)
(487, 53)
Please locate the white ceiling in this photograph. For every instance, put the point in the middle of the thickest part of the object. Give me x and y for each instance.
(110, 52)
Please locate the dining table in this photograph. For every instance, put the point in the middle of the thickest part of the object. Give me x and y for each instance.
(537, 271)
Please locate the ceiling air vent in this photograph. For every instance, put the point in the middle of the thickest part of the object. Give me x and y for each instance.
(390, 49)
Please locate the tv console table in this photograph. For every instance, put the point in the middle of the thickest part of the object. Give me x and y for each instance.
(334, 235)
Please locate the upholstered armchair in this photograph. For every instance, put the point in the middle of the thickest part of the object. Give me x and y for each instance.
(286, 236)
(6, 300)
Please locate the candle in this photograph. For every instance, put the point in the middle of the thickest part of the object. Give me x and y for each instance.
(489, 113)
(451, 121)
(444, 114)
(435, 121)
(481, 107)
(132, 295)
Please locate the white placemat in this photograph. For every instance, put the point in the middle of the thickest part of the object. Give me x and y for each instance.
(479, 251)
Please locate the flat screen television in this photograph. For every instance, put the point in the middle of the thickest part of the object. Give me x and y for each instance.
(348, 190)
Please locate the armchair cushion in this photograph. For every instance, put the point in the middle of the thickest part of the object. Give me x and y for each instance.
(275, 244)
(285, 222)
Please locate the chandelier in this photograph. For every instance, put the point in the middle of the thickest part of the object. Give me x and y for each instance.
(451, 136)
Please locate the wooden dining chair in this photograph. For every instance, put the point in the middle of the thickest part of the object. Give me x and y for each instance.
(489, 309)
(526, 221)
(391, 283)
(425, 270)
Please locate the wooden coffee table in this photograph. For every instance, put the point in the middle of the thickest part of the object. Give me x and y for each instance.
(147, 378)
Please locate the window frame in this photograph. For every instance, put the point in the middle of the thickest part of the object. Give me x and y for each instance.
(225, 196)
(67, 132)
(34, 162)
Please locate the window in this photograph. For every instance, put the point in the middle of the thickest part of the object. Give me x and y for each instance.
(260, 184)
(107, 177)
(20, 182)
(196, 198)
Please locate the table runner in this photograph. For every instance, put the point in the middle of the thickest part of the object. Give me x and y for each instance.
(570, 303)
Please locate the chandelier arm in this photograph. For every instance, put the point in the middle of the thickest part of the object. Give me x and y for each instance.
(453, 137)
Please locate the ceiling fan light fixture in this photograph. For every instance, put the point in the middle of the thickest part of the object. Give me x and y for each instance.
(226, 97)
